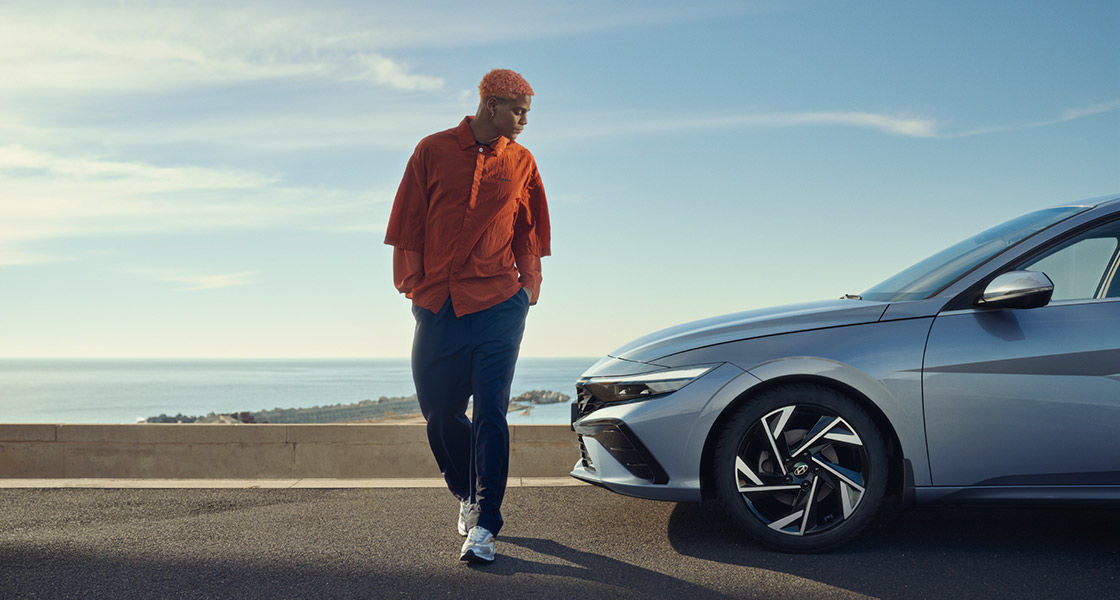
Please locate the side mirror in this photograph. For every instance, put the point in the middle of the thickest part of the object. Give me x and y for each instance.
(1017, 289)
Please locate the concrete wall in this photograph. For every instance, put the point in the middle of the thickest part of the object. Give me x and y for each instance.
(193, 451)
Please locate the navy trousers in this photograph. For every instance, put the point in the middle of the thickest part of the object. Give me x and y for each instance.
(454, 358)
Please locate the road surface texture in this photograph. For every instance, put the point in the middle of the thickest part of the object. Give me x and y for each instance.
(559, 542)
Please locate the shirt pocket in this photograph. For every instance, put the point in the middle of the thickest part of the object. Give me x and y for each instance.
(502, 181)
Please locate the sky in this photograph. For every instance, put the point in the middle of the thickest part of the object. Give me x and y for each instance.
(205, 180)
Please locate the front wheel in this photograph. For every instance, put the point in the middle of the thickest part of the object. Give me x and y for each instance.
(801, 468)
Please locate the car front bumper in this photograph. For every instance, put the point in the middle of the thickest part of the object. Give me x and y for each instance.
(653, 448)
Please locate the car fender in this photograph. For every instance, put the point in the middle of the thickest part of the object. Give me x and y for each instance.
(880, 364)
(901, 418)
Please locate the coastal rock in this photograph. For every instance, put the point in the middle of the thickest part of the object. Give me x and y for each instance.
(540, 397)
(383, 408)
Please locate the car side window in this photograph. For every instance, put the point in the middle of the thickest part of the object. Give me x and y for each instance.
(1083, 267)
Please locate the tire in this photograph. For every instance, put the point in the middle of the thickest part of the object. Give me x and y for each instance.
(829, 483)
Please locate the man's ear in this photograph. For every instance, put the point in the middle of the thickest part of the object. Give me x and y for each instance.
(492, 103)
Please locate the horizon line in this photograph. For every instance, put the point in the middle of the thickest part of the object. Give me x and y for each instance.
(249, 357)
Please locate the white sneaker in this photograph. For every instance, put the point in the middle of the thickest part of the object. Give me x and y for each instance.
(464, 510)
(479, 547)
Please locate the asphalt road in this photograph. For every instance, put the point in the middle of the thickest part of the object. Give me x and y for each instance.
(559, 542)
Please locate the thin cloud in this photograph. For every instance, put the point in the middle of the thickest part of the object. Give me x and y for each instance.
(1089, 111)
(44, 195)
(886, 123)
(393, 128)
(11, 258)
(1066, 116)
(113, 49)
(892, 124)
(193, 282)
(391, 74)
(16, 159)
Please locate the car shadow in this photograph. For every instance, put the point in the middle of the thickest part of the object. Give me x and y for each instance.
(931, 551)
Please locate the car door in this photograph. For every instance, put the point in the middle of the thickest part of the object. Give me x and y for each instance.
(1020, 397)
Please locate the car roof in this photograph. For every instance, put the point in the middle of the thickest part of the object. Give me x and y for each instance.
(1097, 202)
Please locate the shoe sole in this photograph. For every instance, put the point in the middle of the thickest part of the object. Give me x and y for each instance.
(471, 558)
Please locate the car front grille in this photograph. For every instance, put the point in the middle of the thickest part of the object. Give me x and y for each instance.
(585, 458)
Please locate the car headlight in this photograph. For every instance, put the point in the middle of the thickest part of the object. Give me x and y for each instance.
(621, 388)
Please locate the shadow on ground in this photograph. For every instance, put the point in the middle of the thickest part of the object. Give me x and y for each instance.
(937, 552)
(592, 567)
(562, 543)
(63, 574)
(78, 574)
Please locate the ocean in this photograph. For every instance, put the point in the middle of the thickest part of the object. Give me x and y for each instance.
(126, 390)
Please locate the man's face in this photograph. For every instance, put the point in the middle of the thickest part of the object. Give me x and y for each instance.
(511, 116)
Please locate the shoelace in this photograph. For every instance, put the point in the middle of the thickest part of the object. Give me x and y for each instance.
(478, 535)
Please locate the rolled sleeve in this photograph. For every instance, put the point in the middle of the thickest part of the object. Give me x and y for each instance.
(532, 234)
(408, 270)
(407, 219)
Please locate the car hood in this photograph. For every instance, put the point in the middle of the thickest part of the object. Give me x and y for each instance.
(750, 324)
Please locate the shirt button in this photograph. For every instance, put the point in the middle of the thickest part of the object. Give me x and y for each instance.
(481, 150)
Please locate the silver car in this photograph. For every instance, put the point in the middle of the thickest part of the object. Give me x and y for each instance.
(989, 372)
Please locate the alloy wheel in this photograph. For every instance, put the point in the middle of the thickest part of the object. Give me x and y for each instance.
(801, 469)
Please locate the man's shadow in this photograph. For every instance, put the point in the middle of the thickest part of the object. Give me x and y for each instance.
(588, 566)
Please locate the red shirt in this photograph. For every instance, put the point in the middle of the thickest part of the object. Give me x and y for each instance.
(469, 222)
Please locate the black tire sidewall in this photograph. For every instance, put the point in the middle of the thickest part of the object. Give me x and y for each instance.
(748, 413)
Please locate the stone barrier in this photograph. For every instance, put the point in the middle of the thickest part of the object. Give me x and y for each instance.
(206, 451)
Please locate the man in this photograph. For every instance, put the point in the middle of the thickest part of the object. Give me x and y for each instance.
(469, 227)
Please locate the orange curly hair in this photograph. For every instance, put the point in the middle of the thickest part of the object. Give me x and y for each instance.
(504, 83)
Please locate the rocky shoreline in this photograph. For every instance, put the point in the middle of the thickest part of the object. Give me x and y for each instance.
(384, 408)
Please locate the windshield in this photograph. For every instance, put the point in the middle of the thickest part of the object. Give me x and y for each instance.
(934, 273)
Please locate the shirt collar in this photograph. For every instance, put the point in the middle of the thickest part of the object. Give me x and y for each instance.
(467, 141)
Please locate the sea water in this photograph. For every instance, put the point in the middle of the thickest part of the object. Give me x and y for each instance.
(126, 390)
